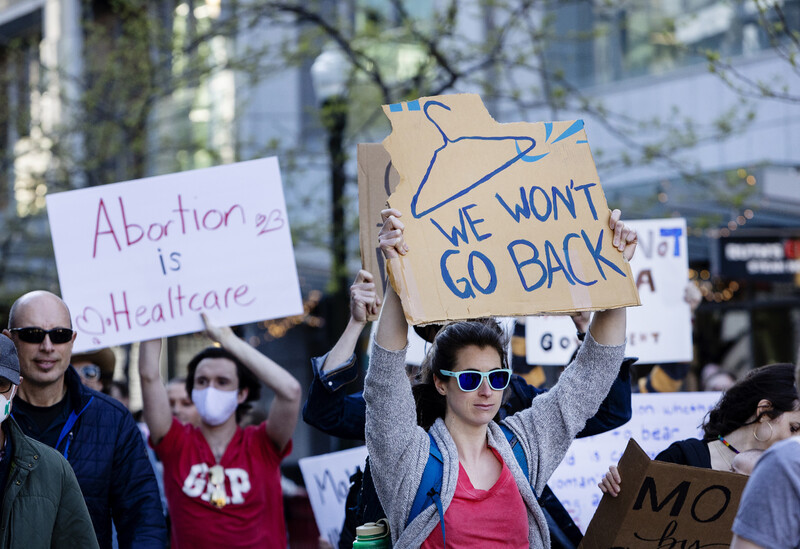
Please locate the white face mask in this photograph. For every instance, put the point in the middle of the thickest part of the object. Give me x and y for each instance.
(215, 406)
(5, 403)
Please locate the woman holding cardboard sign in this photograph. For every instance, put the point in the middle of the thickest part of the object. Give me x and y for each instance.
(470, 481)
(753, 414)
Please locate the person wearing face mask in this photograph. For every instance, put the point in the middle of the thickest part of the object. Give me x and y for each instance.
(40, 491)
(222, 482)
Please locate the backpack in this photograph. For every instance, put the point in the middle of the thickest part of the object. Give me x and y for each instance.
(430, 486)
(362, 505)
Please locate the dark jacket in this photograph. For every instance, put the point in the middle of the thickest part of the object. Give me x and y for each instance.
(691, 451)
(42, 503)
(107, 453)
(341, 415)
(338, 414)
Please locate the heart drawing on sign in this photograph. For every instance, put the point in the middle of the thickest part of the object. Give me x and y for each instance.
(90, 321)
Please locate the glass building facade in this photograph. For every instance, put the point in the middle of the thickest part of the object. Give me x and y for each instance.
(598, 42)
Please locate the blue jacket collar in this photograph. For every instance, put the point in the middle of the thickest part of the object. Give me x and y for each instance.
(78, 393)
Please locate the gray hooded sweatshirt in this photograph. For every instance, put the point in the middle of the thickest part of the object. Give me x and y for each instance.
(399, 448)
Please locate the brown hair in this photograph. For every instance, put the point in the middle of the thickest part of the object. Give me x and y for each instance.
(774, 383)
(482, 333)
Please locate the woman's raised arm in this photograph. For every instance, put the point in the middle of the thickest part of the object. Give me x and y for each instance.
(392, 333)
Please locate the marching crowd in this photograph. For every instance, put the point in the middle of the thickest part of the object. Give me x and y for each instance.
(460, 449)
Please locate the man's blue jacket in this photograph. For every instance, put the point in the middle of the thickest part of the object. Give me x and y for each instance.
(106, 450)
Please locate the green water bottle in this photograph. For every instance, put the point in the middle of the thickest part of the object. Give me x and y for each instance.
(373, 535)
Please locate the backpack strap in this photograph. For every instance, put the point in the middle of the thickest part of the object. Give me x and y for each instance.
(519, 453)
(564, 534)
(430, 487)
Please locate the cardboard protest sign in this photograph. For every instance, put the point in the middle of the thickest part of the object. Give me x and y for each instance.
(142, 259)
(377, 179)
(666, 505)
(660, 331)
(327, 480)
(658, 420)
(501, 219)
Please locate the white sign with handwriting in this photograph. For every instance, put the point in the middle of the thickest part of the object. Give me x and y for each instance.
(142, 259)
(327, 480)
(658, 420)
(660, 331)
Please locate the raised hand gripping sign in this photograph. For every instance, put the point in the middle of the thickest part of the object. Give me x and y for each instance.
(142, 259)
(501, 219)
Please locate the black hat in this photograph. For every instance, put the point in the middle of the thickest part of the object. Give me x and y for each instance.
(9, 362)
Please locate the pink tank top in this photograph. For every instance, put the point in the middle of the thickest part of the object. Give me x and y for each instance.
(496, 517)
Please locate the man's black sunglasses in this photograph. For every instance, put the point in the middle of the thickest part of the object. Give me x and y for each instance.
(36, 335)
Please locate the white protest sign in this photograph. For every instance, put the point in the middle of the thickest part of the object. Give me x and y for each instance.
(660, 331)
(327, 480)
(550, 340)
(659, 419)
(142, 259)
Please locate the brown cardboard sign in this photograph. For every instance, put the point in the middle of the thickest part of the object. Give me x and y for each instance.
(501, 219)
(377, 179)
(663, 505)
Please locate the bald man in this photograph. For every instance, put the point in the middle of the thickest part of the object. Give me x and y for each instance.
(96, 434)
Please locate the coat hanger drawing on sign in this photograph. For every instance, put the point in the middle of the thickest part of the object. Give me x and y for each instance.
(419, 210)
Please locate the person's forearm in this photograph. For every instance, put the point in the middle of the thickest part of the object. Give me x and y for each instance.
(608, 327)
(149, 358)
(392, 333)
(280, 381)
(155, 401)
(615, 410)
(345, 346)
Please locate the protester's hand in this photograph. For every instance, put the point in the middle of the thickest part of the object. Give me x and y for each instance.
(364, 301)
(217, 333)
(611, 481)
(692, 295)
(625, 238)
(391, 236)
(581, 320)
